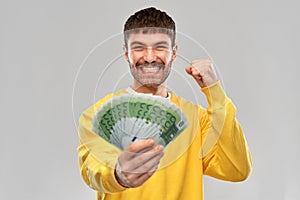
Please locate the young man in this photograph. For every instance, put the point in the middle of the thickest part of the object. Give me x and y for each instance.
(213, 144)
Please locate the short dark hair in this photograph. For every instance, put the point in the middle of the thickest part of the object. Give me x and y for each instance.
(150, 17)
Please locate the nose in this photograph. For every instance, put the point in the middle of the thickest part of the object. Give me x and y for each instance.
(149, 55)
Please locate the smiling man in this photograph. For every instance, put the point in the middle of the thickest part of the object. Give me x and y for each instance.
(213, 144)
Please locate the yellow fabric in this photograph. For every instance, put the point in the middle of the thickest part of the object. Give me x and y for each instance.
(213, 144)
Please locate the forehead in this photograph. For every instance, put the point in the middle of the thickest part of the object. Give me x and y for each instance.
(149, 38)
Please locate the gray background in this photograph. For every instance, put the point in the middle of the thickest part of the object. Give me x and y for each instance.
(255, 45)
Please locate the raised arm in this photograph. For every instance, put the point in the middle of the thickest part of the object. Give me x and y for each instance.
(224, 149)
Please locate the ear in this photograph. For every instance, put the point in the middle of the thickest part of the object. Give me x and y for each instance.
(125, 53)
(174, 52)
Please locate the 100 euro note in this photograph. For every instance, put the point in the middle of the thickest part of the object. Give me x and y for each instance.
(131, 117)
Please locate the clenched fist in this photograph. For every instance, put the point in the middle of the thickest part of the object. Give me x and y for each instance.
(202, 71)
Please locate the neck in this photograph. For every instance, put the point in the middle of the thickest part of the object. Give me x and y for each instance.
(160, 90)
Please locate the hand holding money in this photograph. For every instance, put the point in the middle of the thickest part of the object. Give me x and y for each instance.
(202, 71)
(138, 163)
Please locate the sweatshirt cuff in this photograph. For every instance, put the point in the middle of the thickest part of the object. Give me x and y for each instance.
(215, 94)
(111, 183)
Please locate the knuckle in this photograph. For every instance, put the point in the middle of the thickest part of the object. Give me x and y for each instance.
(130, 148)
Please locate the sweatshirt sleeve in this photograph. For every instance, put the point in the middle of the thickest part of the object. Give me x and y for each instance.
(225, 153)
(97, 158)
(97, 175)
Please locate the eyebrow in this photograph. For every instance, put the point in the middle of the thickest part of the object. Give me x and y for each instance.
(140, 43)
(135, 43)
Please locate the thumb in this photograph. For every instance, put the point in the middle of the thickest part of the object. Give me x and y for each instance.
(188, 69)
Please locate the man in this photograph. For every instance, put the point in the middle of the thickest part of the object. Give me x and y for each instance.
(213, 144)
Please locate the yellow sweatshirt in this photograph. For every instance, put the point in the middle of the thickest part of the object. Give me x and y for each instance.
(213, 145)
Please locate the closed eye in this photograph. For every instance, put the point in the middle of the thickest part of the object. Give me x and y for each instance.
(138, 48)
(161, 48)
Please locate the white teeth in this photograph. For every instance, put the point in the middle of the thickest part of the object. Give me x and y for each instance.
(150, 69)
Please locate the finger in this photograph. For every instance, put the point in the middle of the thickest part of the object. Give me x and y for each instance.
(144, 161)
(192, 70)
(195, 62)
(146, 170)
(189, 69)
(197, 73)
(140, 145)
(152, 165)
(141, 179)
(129, 161)
(201, 61)
(135, 180)
(149, 164)
(147, 156)
(203, 65)
(155, 150)
(144, 177)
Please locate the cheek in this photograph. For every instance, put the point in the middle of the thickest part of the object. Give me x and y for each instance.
(167, 58)
(132, 58)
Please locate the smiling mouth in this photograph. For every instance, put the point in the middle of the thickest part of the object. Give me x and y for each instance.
(152, 68)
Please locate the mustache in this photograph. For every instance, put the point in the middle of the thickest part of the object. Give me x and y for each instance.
(153, 64)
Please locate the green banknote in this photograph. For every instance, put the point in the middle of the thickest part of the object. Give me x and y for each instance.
(131, 117)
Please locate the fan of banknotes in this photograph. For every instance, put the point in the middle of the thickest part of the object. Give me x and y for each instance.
(132, 117)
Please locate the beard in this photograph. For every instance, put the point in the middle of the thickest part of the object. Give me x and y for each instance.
(150, 74)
